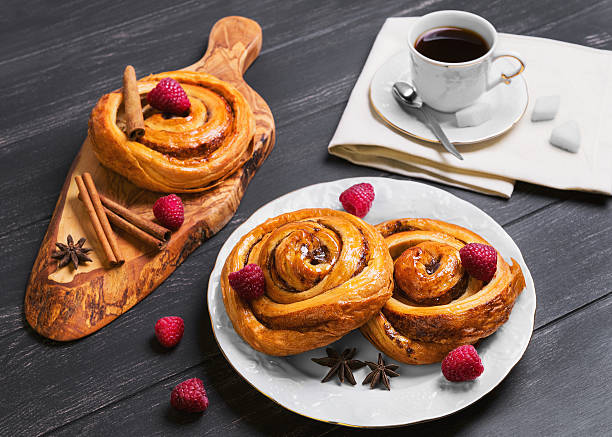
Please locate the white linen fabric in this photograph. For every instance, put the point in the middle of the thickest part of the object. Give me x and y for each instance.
(580, 75)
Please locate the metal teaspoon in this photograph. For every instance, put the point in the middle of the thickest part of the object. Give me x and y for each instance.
(407, 96)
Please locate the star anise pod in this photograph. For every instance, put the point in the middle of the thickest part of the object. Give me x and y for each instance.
(341, 364)
(71, 252)
(380, 372)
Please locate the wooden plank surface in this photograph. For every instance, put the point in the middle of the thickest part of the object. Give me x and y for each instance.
(77, 296)
(55, 61)
(525, 403)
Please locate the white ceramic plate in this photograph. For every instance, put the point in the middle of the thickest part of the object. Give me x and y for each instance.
(508, 103)
(420, 393)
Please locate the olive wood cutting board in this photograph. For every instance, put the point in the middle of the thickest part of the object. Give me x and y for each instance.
(66, 304)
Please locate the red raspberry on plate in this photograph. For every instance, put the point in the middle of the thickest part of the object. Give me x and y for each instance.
(168, 210)
(169, 96)
(462, 364)
(479, 260)
(358, 199)
(248, 282)
(189, 396)
(169, 330)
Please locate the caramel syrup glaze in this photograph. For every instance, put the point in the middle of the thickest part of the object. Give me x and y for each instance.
(202, 137)
(429, 273)
(445, 298)
(315, 252)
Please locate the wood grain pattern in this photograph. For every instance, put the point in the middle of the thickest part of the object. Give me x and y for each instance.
(67, 305)
(118, 381)
(531, 401)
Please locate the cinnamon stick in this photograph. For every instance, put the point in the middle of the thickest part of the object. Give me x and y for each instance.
(152, 228)
(95, 221)
(95, 200)
(131, 103)
(133, 230)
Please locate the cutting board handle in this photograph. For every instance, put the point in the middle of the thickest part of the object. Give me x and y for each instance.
(65, 305)
(233, 45)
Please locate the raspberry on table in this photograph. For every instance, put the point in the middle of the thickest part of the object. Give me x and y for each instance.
(462, 364)
(189, 396)
(169, 330)
(248, 282)
(357, 200)
(169, 96)
(169, 211)
(479, 260)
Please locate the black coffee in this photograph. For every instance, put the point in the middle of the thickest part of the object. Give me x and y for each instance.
(451, 44)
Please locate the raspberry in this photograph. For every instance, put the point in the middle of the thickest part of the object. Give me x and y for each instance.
(462, 364)
(358, 199)
(189, 396)
(248, 282)
(169, 330)
(479, 260)
(169, 96)
(168, 210)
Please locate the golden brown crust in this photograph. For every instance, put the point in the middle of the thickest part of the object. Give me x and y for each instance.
(177, 154)
(412, 328)
(327, 272)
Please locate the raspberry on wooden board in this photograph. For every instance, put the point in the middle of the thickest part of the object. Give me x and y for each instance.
(169, 211)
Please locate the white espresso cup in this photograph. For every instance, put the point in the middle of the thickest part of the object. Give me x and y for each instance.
(448, 86)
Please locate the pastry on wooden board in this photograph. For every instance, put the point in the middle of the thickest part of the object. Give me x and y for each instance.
(177, 154)
(65, 303)
(326, 273)
(436, 306)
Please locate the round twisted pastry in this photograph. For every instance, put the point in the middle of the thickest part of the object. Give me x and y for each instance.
(177, 154)
(436, 306)
(326, 272)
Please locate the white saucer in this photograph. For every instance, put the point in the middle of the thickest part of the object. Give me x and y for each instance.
(508, 103)
(420, 392)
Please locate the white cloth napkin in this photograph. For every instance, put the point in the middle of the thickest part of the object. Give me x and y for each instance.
(582, 76)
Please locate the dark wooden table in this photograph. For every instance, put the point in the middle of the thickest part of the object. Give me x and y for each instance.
(57, 58)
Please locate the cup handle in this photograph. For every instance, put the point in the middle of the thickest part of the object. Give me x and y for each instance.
(506, 78)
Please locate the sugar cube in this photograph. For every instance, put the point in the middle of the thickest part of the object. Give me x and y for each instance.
(545, 108)
(473, 115)
(566, 136)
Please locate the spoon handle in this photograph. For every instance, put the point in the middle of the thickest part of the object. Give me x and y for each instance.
(438, 132)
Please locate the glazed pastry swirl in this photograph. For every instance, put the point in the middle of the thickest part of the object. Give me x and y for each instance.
(436, 306)
(327, 272)
(177, 154)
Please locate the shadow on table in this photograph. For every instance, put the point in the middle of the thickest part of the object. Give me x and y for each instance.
(181, 417)
(561, 195)
(228, 390)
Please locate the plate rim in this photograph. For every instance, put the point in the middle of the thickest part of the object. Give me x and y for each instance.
(219, 265)
(435, 141)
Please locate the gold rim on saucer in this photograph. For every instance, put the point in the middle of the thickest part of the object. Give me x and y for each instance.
(429, 140)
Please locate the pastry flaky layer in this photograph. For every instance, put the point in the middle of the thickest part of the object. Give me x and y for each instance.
(177, 154)
(436, 306)
(327, 272)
